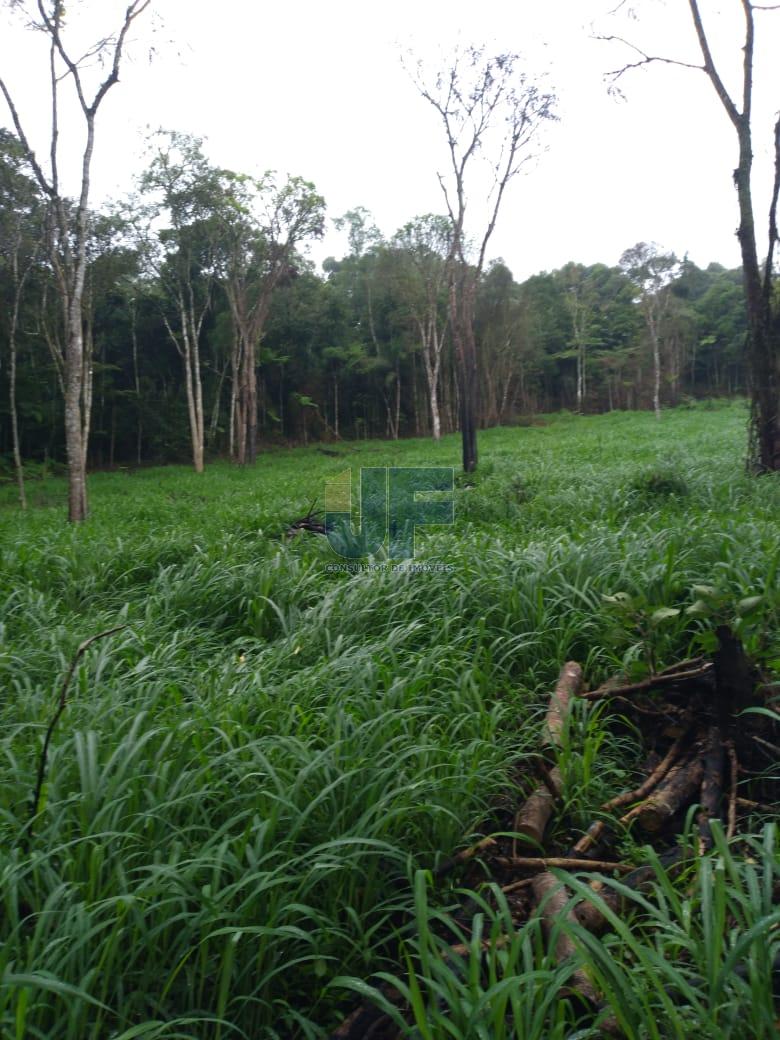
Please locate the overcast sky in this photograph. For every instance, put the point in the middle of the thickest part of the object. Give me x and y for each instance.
(319, 90)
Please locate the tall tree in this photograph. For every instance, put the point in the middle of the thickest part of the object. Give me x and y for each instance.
(422, 247)
(489, 109)
(68, 224)
(263, 222)
(185, 192)
(652, 272)
(761, 301)
(21, 238)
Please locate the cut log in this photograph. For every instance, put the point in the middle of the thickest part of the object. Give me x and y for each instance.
(678, 789)
(569, 685)
(552, 898)
(533, 815)
(463, 856)
(594, 832)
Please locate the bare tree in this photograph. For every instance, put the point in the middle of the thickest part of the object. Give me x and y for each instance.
(763, 311)
(488, 109)
(69, 224)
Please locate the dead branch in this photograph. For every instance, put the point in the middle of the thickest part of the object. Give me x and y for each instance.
(594, 832)
(562, 863)
(552, 898)
(711, 787)
(666, 678)
(569, 685)
(680, 786)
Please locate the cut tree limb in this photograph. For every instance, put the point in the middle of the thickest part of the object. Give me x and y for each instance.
(595, 831)
(651, 682)
(533, 816)
(569, 685)
(552, 898)
(678, 789)
(562, 863)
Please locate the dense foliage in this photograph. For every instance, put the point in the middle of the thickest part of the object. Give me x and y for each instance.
(248, 776)
(200, 281)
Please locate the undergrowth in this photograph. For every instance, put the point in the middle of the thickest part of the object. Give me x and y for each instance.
(249, 777)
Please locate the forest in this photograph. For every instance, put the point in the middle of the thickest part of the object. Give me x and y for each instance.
(362, 350)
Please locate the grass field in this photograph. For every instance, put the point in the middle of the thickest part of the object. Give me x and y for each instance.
(249, 779)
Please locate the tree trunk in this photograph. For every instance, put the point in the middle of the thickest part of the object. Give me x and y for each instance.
(74, 429)
(462, 292)
(17, 452)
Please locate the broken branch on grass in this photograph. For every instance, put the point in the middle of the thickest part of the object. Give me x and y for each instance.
(533, 815)
(562, 863)
(62, 701)
(552, 899)
(463, 857)
(594, 832)
(679, 787)
(661, 679)
(569, 685)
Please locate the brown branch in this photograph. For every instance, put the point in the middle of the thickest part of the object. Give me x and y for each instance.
(463, 857)
(61, 705)
(29, 153)
(645, 59)
(662, 679)
(562, 863)
(568, 686)
(709, 67)
(772, 222)
(594, 832)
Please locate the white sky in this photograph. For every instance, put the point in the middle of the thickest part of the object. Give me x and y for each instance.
(318, 90)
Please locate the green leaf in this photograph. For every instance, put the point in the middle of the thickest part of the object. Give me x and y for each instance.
(663, 614)
(749, 604)
(703, 590)
(699, 609)
(622, 598)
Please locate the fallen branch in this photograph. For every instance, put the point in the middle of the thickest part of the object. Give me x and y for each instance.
(562, 863)
(552, 899)
(569, 685)
(731, 825)
(463, 857)
(651, 682)
(594, 832)
(533, 816)
(678, 789)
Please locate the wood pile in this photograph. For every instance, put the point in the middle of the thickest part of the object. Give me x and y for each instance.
(706, 746)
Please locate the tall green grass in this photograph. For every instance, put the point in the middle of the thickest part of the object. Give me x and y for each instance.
(248, 777)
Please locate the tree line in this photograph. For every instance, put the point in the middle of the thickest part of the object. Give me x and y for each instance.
(208, 331)
(186, 320)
